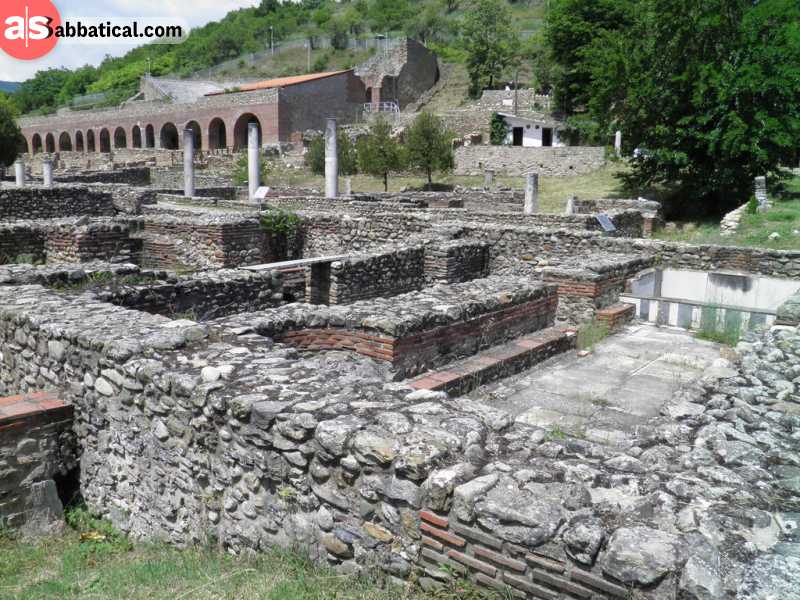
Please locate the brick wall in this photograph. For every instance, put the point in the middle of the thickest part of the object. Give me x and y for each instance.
(22, 242)
(36, 445)
(456, 261)
(98, 241)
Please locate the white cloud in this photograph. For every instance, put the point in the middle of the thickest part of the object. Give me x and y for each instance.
(196, 12)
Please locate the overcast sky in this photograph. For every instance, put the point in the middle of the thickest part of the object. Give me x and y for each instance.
(195, 12)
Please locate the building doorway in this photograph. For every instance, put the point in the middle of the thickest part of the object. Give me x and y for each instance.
(547, 136)
(517, 133)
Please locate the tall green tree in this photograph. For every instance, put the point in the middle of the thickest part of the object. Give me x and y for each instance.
(572, 28)
(709, 90)
(429, 145)
(490, 41)
(10, 135)
(345, 154)
(378, 152)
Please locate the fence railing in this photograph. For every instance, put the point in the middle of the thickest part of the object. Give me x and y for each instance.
(382, 107)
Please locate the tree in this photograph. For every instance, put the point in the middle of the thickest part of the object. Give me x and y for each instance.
(571, 27)
(490, 42)
(429, 145)
(10, 135)
(498, 130)
(345, 153)
(378, 153)
(708, 91)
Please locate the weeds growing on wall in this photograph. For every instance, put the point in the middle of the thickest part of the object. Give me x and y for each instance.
(728, 333)
(589, 334)
(278, 221)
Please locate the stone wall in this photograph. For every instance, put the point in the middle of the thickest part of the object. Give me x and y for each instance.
(517, 161)
(37, 446)
(190, 433)
(415, 331)
(382, 275)
(456, 261)
(138, 176)
(202, 296)
(54, 203)
(104, 241)
(22, 242)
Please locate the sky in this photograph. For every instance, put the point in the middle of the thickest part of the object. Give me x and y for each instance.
(193, 12)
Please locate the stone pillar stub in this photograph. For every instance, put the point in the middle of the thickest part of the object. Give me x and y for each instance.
(570, 210)
(47, 172)
(531, 194)
(253, 160)
(19, 172)
(618, 143)
(331, 160)
(488, 178)
(348, 186)
(188, 163)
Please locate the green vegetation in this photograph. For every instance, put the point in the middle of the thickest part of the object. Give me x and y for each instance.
(240, 170)
(590, 334)
(727, 333)
(92, 560)
(10, 135)
(755, 229)
(345, 153)
(429, 146)
(279, 221)
(379, 153)
(498, 130)
(707, 90)
(490, 42)
(438, 23)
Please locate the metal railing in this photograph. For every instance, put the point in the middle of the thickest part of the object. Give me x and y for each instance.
(382, 107)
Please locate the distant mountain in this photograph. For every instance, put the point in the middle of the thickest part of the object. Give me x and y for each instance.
(9, 86)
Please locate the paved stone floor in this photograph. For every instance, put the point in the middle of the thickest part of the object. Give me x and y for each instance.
(604, 396)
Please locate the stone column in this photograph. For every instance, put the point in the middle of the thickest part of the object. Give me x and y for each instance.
(188, 163)
(331, 161)
(19, 172)
(488, 178)
(570, 210)
(532, 193)
(253, 160)
(348, 186)
(47, 172)
(618, 143)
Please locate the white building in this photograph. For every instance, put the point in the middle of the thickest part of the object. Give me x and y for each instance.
(531, 133)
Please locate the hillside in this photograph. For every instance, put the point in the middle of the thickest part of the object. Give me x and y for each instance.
(9, 87)
(339, 34)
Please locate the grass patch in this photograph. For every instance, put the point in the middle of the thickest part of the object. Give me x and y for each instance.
(93, 560)
(590, 334)
(754, 229)
(727, 333)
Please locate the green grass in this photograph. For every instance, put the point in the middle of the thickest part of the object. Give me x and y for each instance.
(553, 191)
(590, 334)
(91, 560)
(754, 229)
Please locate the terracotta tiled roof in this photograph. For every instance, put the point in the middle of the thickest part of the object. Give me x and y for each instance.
(280, 82)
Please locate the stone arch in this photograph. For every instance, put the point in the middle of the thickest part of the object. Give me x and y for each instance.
(90, 145)
(169, 137)
(149, 137)
(120, 138)
(198, 134)
(217, 135)
(64, 142)
(240, 131)
(79, 145)
(105, 140)
(136, 137)
(36, 143)
(49, 143)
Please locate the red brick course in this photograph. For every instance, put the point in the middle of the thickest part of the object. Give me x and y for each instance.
(27, 407)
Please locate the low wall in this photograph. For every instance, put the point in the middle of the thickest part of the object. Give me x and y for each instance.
(22, 242)
(201, 297)
(36, 445)
(517, 160)
(137, 176)
(419, 330)
(102, 241)
(377, 276)
(456, 261)
(54, 203)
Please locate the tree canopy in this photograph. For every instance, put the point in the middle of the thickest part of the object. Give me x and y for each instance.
(378, 152)
(490, 41)
(10, 136)
(708, 91)
(429, 145)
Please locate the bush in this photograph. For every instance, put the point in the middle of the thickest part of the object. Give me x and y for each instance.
(752, 206)
(499, 130)
(345, 152)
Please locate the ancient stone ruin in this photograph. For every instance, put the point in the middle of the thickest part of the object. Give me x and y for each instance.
(392, 381)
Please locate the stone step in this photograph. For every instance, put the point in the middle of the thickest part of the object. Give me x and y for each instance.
(497, 362)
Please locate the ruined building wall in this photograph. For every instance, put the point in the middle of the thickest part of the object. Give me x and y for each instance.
(54, 203)
(517, 161)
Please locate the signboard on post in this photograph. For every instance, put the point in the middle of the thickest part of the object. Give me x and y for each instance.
(605, 223)
(261, 193)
